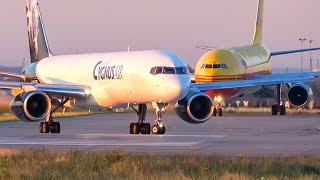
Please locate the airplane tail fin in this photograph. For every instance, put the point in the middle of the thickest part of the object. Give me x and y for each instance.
(38, 43)
(257, 39)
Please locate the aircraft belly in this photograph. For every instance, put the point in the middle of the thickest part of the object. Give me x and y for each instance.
(229, 93)
(247, 90)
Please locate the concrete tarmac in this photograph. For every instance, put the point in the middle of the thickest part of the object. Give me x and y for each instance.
(233, 134)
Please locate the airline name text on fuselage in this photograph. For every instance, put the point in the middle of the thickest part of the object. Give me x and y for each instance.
(107, 72)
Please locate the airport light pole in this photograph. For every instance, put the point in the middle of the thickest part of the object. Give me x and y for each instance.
(310, 41)
(302, 41)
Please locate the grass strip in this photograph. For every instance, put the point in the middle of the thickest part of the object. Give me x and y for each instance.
(43, 164)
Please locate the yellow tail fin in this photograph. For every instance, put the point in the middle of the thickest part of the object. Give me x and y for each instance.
(257, 39)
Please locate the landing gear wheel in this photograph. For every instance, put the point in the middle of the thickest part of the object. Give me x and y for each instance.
(44, 127)
(134, 128)
(55, 128)
(283, 110)
(162, 129)
(147, 128)
(155, 129)
(220, 111)
(215, 112)
(274, 110)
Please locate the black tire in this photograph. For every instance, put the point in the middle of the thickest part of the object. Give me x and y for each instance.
(282, 110)
(155, 129)
(46, 127)
(214, 112)
(274, 110)
(143, 128)
(136, 128)
(220, 111)
(147, 130)
(162, 130)
(131, 128)
(56, 128)
(41, 127)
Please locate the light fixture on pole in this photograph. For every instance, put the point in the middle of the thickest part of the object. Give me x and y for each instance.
(310, 41)
(301, 65)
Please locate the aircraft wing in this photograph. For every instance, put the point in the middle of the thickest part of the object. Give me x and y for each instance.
(291, 75)
(293, 51)
(251, 83)
(53, 90)
(12, 75)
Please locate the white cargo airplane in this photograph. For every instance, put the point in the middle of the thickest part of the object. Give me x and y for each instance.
(105, 80)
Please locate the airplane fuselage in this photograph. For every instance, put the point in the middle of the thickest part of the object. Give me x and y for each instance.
(119, 78)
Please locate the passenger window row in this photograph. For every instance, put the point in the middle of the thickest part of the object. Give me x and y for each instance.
(169, 70)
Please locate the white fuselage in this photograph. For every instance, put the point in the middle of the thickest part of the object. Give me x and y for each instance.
(117, 78)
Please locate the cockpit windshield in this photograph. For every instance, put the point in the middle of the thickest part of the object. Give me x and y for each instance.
(214, 66)
(169, 70)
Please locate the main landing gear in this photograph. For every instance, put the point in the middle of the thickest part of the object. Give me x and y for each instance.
(144, 128)
(140, 126)
(277, 108)
(49, 125)
(217, 111)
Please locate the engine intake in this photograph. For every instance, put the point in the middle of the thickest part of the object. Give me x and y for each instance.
(31, 106)
(196, 108)
(299, 95)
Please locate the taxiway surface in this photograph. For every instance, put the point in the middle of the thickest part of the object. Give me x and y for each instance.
(230, 135)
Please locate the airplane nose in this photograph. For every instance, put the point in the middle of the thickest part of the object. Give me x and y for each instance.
(178, 87)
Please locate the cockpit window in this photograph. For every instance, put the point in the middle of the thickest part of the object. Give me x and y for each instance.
(182, 70)
(169, 70)
(214, 66)
(224, 66)
(153, 70)
(158, 70)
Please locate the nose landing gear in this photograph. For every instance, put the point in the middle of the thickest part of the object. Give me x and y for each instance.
(158, 127)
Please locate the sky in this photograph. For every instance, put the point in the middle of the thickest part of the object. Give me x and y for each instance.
(176, 25)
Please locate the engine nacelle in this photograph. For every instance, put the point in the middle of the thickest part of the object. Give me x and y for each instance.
(196, 108)
(299, 95)
(31, 106)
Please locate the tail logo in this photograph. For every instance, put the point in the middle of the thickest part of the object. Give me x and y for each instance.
(33, 17)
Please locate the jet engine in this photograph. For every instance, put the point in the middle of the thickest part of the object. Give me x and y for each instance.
(31, 106)
(299, 95)
(195, 108)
